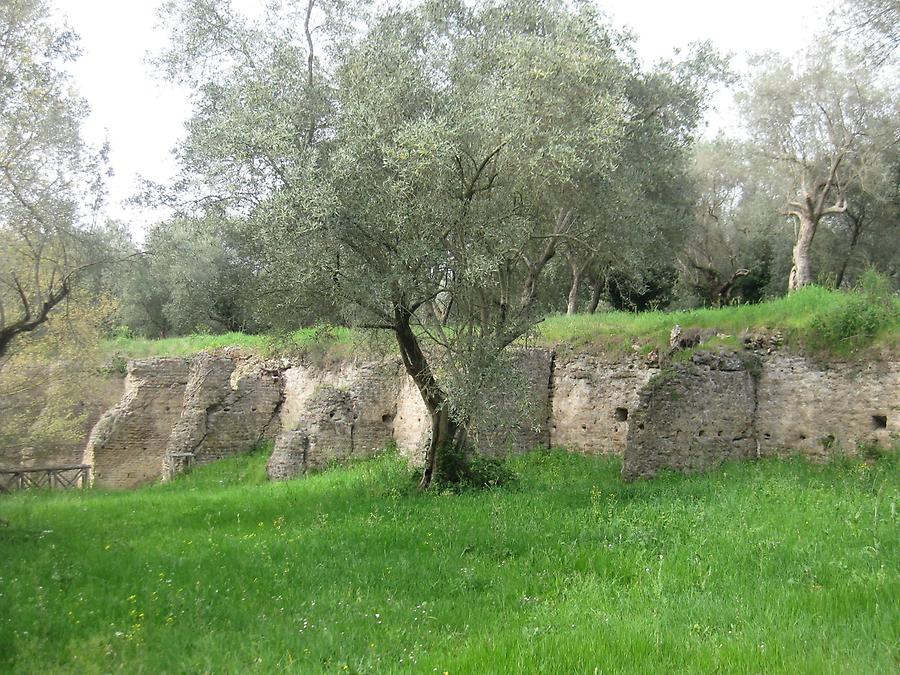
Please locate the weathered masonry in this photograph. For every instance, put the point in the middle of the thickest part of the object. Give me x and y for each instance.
(181, 412)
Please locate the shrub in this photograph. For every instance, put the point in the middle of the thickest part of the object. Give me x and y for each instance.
(854, 323)
(458, 468)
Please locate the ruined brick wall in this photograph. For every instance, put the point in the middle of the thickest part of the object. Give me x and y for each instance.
(736, 406)
(229, 407)
(290, 456)
(212, 406)
(347, 410)
(412, 426)
(128, 444)
(517, 425)
(523, 422)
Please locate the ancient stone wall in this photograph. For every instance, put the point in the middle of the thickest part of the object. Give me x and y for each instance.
(412, 425)
(736, 406)
(521, 421)
(516, 425)
(687, 417)
(229, 407)
(345, 411)
(593, 398)
(819, 409)
(290, 456)
(693, 416)
(128, 444)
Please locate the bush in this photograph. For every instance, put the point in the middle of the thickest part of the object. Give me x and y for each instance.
(869, 308)
(458, 468)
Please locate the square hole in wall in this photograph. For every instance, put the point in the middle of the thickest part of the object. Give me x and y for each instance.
(879, 421)
(621, 414)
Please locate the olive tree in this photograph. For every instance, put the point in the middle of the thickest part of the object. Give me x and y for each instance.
(823, 123)
(640, 212)
(874, 25)
(420, 179)
(50, 181)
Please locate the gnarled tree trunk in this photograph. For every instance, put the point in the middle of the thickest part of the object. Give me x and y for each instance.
(596, 293)
(444, 431)
(574, 289)
(801, 271)
(809, 209)
(723, 295)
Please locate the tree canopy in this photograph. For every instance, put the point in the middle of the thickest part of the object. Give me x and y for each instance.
(50, 180)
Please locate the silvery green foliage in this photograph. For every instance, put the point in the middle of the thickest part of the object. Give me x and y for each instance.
(51, 182)
(873, 26)
(644, 206)
(193, 280)
(824, 127)
(423, 170)
(738, 228)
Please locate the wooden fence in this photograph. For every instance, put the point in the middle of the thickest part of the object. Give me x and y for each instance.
(60, 477)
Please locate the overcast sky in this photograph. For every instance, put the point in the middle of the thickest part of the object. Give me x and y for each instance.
(143, 117)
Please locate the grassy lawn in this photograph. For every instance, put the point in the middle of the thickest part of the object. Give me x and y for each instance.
(795, 316)
(767, 567)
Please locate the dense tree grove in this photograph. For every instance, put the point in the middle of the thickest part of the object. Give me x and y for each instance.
(448, 173)
(635, 212)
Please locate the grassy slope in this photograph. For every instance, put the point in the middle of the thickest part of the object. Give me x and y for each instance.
(792, 315)
(765, 567)
(193, 344)
(610, 331)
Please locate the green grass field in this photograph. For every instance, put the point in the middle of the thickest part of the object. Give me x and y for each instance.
(775, 566)
(798, 316)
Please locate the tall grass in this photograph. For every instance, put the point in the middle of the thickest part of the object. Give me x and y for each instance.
(800, 317)
(777, 567)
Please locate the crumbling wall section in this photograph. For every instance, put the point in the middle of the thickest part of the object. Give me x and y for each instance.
(289, 457)
(688, 417)
(593, 399)
(345, 411)
(517, 420)
(818, 409)
(90, 397)
(693, 416)
(127, 446)
(229, 407)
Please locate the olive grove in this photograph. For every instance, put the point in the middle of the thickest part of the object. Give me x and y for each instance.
(449, 172)
(828, 127)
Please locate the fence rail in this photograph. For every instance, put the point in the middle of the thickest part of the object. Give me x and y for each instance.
(62, 477)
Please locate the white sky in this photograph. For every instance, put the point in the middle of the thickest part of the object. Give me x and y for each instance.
(143, 117)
